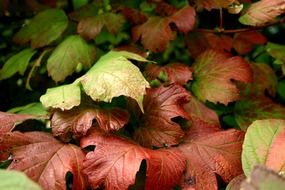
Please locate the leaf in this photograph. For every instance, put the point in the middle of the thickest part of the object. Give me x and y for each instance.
(177, 73)
(263, 178)
(85, 11)
(161, 105)
(35, 108)
(208, 155)
(17, 63)
(44, 28)
(12, 180)
(79, 120)
(244, 42)
(254, 108)
(90, 27)
(134, 16)
(45, 160)
(264, 140)
(263, 12)
(113, 75)
(68, 55)
(114, 156)
(276, 51)
(213, 4)
(213, 74)
(236, 182)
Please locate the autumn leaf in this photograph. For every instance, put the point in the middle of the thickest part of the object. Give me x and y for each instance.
(263, 12)
(161, 105)
(215, 153)
(90, 27)
(244, 42)
(79, 120)
(114, 156)
(264, 145)
(177, 73)
(254, 108)
(10, 180)
(44, 28)
(213, 73)
(213, 4)
(264, 178)
(113, 75)
(134, 16)
(70, 53)
(44, 159)
(17, 63)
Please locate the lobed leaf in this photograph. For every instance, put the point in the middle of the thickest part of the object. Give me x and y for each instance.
(213, 74)
(44, 28)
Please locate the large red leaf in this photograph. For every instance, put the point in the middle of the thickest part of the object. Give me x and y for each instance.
(216, 153)
(45, 160)
(177, 73)
(213, 73)
(160, 106)
(79, 120)
(115, 162)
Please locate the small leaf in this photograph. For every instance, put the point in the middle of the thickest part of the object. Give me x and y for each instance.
(14, 180)
(264, 140)
(17, 63)
(114, 156)
(215, 153)
(134, 16)
(177, 73)
(213, 4)
(68, 55)
(161, 105)
(213, 72)
(254, 108)
(276, 51)
(263, 178)
(44, 159)
(90, 27)
(35, 108)
(236, 182)
(78, 120)
(44, 28)
(263, 12)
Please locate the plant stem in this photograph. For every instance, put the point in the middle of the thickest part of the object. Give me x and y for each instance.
(221, 19)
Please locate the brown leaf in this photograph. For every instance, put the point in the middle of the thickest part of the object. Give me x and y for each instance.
(134, 16)
(184, 19)
(213, 4)
(161, 105)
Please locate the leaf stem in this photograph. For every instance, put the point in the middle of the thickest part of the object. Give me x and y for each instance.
(221, 19)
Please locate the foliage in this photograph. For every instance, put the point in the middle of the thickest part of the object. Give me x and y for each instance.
(109, 94)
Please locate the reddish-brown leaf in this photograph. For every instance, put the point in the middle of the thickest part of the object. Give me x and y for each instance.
(9, 120)
(132, 48)
(160, 106)
(216, 153)
(78, 121)
(134, 16)
(115, 162)
(213, 4)
(45, 160)
(177, 73)
(164, 9)
(184, 19)
(244, 42)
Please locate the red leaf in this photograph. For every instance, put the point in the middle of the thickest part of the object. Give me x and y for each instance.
(213, 73)
(161, 105)
(115, 162)
(177, 73)
(184, 19)
(213, 4)
(164, 9)
(79, 120)
(244, 42)
(46, 160)
(215, 153)
(134, 16)
(9, 120)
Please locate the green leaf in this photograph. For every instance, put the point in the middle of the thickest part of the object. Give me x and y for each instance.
(43, 29)
(64, 97)
(112, 76)
(14, 180)
(68, 55)
(35, 108)
(261, 145)
(17, 63)
(277, 51)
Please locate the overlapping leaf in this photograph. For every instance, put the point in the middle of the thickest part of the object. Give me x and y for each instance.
(68, 55)
(17, 63)
(264, 145)
(134, 16)
(161, 105)
(44, 159)
(177, 73)
(254, 108)
(79, 120)
(213, 4)
(236, 182)
(43, 29)
(213, 74)
(277, 52)
(114, 164)
(112, 76)
(263, 12)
